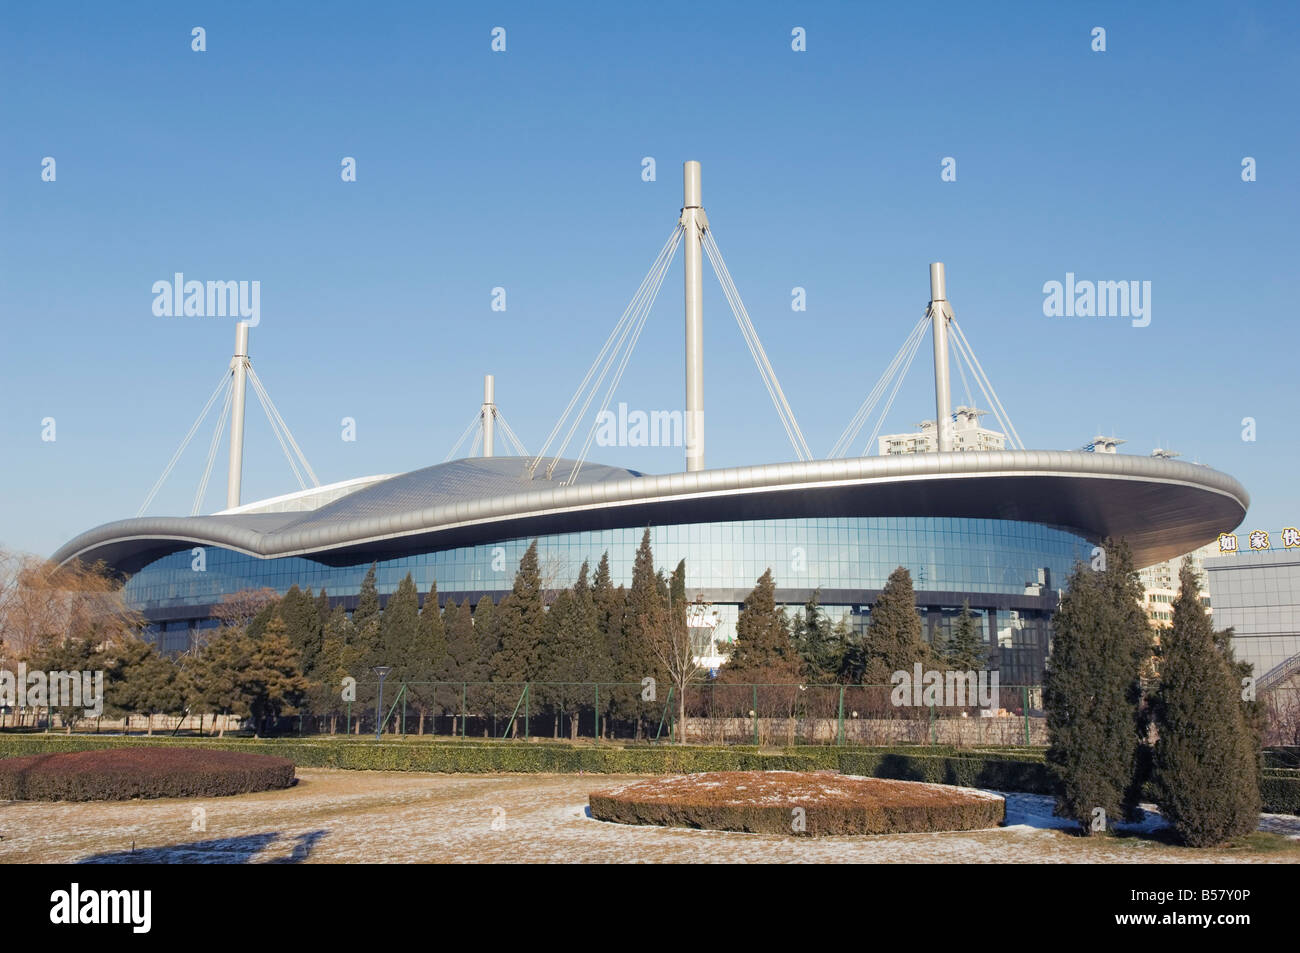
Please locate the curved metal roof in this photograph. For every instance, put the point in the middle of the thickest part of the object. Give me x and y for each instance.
(1162, 507)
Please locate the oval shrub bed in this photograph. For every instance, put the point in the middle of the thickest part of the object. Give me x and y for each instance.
(807, 803)
(119, 775)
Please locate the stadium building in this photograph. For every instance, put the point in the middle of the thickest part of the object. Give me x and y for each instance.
(998, 528)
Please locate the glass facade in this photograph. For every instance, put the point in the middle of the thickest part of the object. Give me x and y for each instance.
(848, 558)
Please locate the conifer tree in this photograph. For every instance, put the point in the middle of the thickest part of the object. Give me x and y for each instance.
(817, 641)
(365, 635)
(428, 659)
(634, 658)
(301, 616)
(519, 622)
(893, 640)
(1092, 690)
(763, 651)
(1205, 764)
(396, 646)
(963, 650)
(610, 606)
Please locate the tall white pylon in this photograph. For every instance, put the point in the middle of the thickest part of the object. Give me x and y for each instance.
(239, 365)
(694, 223)
(489, 412)
(940, 313)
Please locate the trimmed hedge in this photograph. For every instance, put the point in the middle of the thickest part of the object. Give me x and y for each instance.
(1016, 769)
(141, 773)
(766, 803)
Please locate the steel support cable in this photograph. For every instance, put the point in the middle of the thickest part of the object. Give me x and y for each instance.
(618, 375)
(212, 452)
(478, 419)
(260, 394)
(225, 382)
(302, 457)
(559, 424)
(916, 346)
(514, 440)
(760, 357)
(979, 372)
(473, 449)
(719, 270)
(855, 425)
(643, 302)
(953, 346)
(961, 351)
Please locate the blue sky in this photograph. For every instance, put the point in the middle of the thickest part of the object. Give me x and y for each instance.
(522, 169)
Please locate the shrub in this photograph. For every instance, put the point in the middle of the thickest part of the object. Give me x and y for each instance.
(145, 772)
(802, 803)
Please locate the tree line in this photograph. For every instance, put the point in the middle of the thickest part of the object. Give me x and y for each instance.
(275, 657)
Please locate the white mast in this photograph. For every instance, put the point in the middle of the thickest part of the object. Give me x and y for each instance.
(238, 364)
(489, 414)
(694, 222)
(940, 314)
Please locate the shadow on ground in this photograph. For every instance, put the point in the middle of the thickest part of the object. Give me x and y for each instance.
(227, 850)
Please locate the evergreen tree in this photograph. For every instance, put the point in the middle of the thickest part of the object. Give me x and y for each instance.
(1092, 690)
(365, 635)
(396, 645)
(301, 615)
(519, 621)
(817, 642)
(428, 659)
(336, 661)
(963, 650)
(273, 684)
(1205, 763)
(69, 655)
(763, 651)
(487, 636)
(633, 657)
(610, 607)
(893, 640)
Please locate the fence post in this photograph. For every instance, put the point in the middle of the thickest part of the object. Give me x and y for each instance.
(934, 739)
(527, 694)
(840, 732)
(597, 728)
(348, 728)
(755, 687)
(464, 710)
(1024, 707)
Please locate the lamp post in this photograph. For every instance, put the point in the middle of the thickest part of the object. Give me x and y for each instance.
(382, 671)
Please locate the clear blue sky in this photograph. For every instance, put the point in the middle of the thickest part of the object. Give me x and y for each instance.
(523, 169)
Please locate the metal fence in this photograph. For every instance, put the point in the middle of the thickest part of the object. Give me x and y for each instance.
(714, 713)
